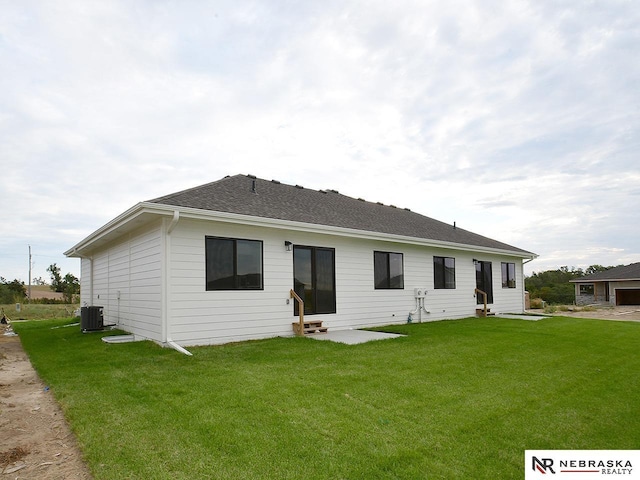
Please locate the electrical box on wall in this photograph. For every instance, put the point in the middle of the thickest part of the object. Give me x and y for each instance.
(420, 292)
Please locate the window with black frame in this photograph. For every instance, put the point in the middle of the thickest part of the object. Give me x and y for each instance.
(444, 272)
(233, 264)
(508, 275)
(484, 281)
(586, 289)
(388, 270)
(314, 279)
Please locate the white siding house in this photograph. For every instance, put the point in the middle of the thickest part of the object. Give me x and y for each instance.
(156, 269)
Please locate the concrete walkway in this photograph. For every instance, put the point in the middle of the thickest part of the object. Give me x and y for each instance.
(353, 337)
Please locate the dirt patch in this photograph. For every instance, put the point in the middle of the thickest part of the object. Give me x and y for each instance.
(35, 439)
(628, 314)
(44, 291)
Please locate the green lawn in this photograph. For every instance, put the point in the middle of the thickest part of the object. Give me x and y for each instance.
(452, 399)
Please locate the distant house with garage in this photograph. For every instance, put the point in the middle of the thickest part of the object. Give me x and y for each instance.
(616, 286)
(228, 261)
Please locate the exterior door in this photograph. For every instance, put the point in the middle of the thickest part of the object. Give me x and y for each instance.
(314, 279)
(484, 281)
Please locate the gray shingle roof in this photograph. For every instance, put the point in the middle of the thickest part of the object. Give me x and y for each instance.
(625, 272)
(247, 195)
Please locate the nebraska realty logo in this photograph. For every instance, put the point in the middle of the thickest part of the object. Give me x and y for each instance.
(582, 464)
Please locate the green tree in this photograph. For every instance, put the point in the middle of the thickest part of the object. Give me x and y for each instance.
(553, 286)
(595, 269)
(11, 292)
(70, 287)
(56, 277)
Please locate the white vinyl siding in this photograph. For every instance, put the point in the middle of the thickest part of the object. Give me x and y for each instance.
(127, 282)
(149, 276)
(85, 281)
(197, 316)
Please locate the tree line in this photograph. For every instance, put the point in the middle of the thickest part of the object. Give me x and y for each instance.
(15, 291)
(553, 286)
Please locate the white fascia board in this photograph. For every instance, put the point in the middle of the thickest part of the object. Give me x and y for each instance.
(195, 213)
(118, 222)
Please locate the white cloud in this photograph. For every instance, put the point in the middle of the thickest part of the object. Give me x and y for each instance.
(518, 120)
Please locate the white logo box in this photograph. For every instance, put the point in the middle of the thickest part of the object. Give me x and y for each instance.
(582, 464)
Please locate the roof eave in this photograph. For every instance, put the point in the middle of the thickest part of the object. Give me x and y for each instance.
(121, 220)
(596, 280)
(164, 210)
(187, 212)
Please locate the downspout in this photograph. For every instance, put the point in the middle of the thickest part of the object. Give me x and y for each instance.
(166, 333)
(524, 303)
(91, 279)
(90, 259)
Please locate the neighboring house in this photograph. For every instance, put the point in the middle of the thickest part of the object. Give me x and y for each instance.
(216, 263)
(616, 286)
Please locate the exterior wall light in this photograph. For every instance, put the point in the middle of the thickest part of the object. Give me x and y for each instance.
(287, 245)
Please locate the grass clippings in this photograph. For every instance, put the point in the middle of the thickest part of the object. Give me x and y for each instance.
(11, 456)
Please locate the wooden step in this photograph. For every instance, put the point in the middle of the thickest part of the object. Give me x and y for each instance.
(481, 313)
(313, 323)
(309, 327)
(316, 330)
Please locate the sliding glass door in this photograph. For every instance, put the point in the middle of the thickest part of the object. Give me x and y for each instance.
(314, 279)
(484, 281)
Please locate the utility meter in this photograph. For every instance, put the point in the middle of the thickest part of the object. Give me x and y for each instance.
(420, 292)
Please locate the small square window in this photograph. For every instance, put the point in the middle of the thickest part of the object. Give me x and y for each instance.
(388, 270)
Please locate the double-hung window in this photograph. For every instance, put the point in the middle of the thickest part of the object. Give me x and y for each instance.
(233, 264)
(508, 275)
(444, 272)
(388, 270)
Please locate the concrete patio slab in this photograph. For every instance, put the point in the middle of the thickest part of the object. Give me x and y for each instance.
(353, 337)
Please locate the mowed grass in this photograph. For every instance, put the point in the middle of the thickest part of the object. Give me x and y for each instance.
(452, 399)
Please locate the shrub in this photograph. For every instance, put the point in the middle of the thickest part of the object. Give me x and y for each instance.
(537, 303)
(12, 292)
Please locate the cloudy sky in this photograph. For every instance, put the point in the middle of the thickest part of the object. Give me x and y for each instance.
(518, 120)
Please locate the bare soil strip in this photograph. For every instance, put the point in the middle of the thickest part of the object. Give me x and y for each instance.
(35, 439)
